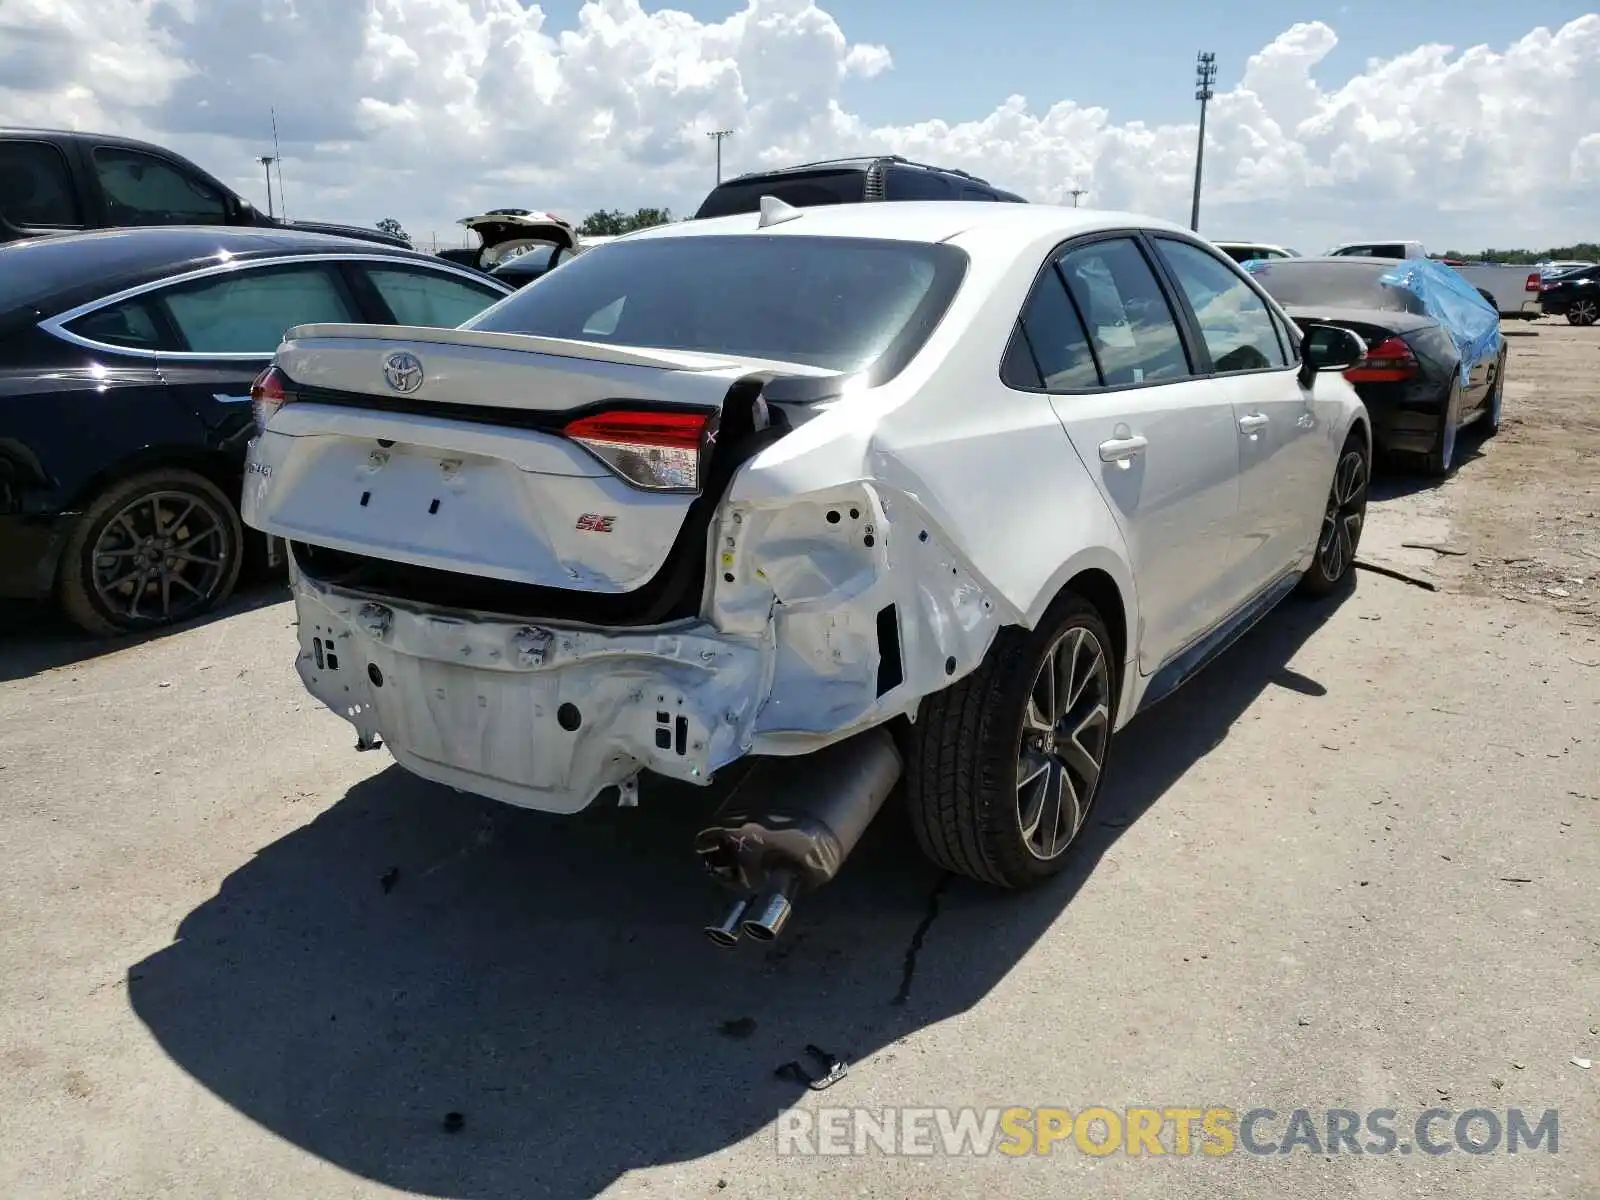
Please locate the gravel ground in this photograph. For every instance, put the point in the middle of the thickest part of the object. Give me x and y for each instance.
(1352, 865)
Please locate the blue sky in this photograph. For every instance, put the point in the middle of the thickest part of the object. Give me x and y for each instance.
(959, 59)
(426, 110)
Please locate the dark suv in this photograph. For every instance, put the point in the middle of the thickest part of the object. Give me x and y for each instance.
(70, 181)
(850, 181)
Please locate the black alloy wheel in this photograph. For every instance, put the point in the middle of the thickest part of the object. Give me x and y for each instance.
(1343, 518)
(151, 551)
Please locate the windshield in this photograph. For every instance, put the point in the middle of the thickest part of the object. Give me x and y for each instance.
(1300, 283)
(841, 304)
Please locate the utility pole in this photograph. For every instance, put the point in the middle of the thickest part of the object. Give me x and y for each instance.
(266, 161)
(1205, 74)
(717, 135)
(1075, 193)
(277, 157)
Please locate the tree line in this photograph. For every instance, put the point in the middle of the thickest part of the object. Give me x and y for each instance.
(1584, 251)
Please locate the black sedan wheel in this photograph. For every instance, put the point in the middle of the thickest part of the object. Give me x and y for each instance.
(1342, 521)
(151, 551)
(1002, 767)
(1584, 311)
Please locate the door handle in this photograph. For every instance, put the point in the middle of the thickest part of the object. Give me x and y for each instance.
(1123, 448)
(1251, 422)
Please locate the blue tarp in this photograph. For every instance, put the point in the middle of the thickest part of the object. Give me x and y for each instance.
(1471, 321)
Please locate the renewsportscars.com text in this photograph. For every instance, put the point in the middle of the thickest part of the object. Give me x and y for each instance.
(1210, 1131)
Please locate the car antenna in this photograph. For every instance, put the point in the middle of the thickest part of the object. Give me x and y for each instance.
(776, 212)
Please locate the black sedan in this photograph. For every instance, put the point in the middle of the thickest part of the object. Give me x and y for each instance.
(1572, 294)
(1419, 384)
(126, 359)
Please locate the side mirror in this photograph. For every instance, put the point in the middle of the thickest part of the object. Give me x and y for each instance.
(1329, 348)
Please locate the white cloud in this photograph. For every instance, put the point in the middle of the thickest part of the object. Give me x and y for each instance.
(428, 109)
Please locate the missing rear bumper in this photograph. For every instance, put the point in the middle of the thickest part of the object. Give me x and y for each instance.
(540, 717)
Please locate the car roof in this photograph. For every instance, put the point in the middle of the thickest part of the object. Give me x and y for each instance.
(916, 221)
(22, 132)
(56, 272)
(1341, 260)
(854, 162)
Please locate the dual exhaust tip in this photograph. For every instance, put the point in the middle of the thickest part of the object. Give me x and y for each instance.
(788, 827)
(759, 917)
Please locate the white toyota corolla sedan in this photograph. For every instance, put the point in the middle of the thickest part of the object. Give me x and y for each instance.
(940, 493)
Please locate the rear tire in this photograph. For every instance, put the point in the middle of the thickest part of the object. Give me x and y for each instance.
(1441, 460)
(1343, 519)
(1005, 764)
(1490, 421)
(151, 551)
(1583, 312)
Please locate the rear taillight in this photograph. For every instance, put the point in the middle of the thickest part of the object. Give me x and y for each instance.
(1389, 361)
(1535, 282)
(658, 451)
(268, 394)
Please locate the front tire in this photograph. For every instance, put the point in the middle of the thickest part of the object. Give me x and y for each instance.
(1006, 763)
(151, 551)
(1343, 518)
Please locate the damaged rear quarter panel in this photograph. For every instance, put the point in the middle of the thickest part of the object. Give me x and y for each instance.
(846, 578)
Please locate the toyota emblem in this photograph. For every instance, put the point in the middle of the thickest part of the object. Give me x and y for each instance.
(403, 371)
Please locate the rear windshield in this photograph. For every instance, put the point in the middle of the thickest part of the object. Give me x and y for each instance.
(842, 304)
(1299, 284)
(803, 191)
(534, 259)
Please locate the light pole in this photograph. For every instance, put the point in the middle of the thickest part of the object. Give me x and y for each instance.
(1075, 193)
(266, 161)
(1205, 74)
(717, 135)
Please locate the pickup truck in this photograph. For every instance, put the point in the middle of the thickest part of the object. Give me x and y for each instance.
(1511, 289)
(59, 181)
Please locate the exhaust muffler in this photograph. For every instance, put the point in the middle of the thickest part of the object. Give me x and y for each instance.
(789, 825)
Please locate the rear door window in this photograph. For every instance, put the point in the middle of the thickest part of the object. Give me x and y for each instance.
(1234, 321)
(418, 297)
(133, 325)
(36, 187)
(248, 311)
(141, 189)
(913, 183)
(1050, 348)
(813, 189)
(1131, 326)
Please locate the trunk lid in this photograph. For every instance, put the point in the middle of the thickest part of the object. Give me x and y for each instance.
(1371, 325)
(505, 232)
(538, 461)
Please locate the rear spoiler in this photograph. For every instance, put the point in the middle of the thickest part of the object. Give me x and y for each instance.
(526, 343)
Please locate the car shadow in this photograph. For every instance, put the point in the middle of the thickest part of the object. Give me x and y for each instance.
(37, 637)
(1398, 475)
(463, 999)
